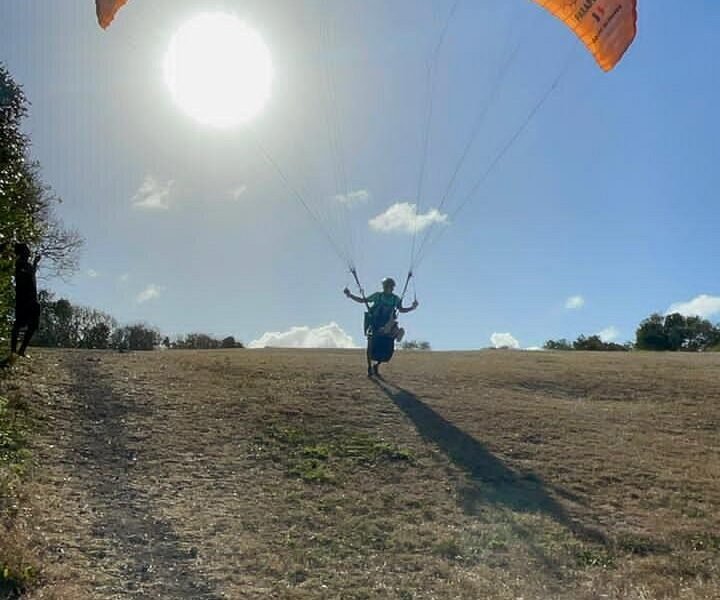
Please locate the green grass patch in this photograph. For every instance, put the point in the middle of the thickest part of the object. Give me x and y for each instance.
(17, 569)
(594, 556)
(14, 455)
(318, 456)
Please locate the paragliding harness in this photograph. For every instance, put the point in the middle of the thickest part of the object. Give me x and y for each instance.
(375, 321)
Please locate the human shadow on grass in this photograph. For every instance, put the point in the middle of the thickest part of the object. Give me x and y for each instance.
(491, 480)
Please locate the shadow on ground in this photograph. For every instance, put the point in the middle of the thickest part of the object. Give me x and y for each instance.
(491, 481)
(148, 554)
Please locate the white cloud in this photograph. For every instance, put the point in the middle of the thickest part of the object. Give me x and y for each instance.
(151, 292)
(504, 340)
(609, 334)
(533, 349)
(401, 217)
(92, 273)
(353, 198)
(238, 192)
(702, 306)
(574, 302)
(153, 194)
(325, 336)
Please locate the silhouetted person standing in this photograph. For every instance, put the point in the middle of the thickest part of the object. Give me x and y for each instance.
(27, 307)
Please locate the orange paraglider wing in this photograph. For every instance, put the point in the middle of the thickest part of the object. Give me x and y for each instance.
(106, 11)
(606, 27)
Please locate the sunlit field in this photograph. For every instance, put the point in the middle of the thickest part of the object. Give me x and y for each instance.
(289, 474)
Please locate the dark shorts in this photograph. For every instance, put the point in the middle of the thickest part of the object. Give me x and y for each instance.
(27, 313)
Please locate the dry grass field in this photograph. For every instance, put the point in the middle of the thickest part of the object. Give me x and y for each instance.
(289, 474)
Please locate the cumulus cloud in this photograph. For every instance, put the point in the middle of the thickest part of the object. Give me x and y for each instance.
(151, 292)
(609, 334)
(325, 336)
(702, 306)
(504, 340)
(353, 198)
(401, 218)
(92, 273)
(574, 302)
(238, 192)
(153, 194)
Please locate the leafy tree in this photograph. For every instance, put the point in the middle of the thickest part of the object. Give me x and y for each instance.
(63, 325)
(676, 332)
(700, 334)
(15, 217)
(97, 337)
(594, 343)
(135, 337)
(584, 343)
(651, 334)
(229, 342)
(203, 341)
(561, 344)
(26, 203)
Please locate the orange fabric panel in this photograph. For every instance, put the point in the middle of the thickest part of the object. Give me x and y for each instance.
(606, 27)
(106, 11)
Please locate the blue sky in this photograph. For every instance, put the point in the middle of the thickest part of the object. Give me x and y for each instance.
(610, 193)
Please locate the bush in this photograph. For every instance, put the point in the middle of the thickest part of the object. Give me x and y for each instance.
(204, 341)
(591, 343)
(135, 337)
(415, 345)
(561, 344)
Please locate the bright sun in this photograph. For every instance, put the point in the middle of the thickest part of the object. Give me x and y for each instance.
(219, 71)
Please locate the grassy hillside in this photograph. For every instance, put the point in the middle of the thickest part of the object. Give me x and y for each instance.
(289, 474)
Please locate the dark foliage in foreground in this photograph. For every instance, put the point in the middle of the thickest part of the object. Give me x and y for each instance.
(26, 203)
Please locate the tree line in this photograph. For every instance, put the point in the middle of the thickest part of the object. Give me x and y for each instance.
(659, 333)
(65, 325)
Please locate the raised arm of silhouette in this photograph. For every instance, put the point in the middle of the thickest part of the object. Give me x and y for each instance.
(492, 481)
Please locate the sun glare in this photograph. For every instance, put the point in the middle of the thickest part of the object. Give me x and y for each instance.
(218, 70)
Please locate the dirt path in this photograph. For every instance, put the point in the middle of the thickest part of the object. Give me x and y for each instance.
(128, 550)
(290, 475)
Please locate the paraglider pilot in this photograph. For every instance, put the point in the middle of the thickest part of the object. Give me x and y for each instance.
(381, 326)
(27, 307)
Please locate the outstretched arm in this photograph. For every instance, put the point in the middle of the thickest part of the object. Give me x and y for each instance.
(353, 296)
(410, 308)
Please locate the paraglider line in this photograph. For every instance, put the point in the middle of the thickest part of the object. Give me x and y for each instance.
(505, 149)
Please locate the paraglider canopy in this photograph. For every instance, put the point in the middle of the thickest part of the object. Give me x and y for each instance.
(106, 11)
(606, 27)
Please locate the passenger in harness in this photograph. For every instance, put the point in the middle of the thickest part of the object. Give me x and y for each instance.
(381, 326)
